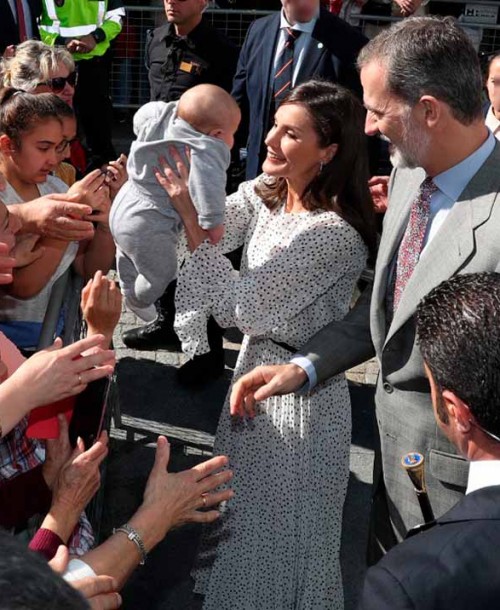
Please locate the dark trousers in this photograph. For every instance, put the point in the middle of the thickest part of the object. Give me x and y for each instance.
(94, 109)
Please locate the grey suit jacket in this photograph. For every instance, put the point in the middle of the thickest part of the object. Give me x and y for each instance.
(467, 242)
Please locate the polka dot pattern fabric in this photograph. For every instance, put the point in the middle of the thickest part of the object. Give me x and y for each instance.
(277, 543)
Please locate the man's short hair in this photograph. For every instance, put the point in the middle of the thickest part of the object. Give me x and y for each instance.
(430, 56)
(28, 583)
(458, 331)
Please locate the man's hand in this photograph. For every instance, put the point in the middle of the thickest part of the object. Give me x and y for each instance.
(27, 250)
(57, 216)
(88, 42)
(171, 499)
(378, 186)
(262, 383)
(101, 305)
(82, 44)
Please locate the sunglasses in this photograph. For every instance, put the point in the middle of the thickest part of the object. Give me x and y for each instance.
(57, 84)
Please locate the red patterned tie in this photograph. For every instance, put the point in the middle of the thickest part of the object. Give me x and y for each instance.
(413, 239)
(21, 23)
(284, 67)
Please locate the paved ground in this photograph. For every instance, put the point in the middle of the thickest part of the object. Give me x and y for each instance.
(149, 399)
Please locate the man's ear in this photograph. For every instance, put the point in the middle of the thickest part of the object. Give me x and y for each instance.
(6, 145)
(430, 109)
(458, 411)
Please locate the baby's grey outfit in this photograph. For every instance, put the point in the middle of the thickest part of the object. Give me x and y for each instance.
(144, 224)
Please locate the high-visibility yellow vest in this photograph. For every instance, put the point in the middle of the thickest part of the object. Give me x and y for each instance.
(66, 19)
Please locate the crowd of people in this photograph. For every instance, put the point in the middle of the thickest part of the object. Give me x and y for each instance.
(316, 107)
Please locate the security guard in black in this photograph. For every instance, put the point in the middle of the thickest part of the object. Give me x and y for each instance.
(177, 63)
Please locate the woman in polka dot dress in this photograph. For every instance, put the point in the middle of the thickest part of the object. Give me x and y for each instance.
(306, 226)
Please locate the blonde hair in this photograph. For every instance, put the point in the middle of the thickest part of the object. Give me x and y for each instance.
(33, 63)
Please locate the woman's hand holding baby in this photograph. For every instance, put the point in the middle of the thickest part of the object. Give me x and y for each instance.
(175, 183)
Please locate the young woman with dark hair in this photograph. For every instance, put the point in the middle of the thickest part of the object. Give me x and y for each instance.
(31, 133)
(307, 230)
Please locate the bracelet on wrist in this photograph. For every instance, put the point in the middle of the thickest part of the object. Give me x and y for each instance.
(133, 536)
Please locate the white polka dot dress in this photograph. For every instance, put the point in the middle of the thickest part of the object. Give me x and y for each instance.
(276, 546)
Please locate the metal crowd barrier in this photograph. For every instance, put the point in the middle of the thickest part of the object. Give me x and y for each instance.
(129, 79)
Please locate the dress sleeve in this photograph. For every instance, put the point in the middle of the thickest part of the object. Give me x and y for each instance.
(266, 296)
(241, 207)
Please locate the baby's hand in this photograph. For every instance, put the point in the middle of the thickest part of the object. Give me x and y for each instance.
(215, 234)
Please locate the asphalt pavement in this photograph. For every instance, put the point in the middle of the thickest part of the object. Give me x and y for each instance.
(148, 400)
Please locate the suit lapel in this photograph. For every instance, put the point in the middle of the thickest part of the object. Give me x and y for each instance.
(454, 242)
(313, 54)
(266, 61)
(395, 223)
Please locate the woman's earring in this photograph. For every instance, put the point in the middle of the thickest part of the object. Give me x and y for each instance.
(321, 166)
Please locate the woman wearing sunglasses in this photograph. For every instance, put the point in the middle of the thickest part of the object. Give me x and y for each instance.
(38, 68)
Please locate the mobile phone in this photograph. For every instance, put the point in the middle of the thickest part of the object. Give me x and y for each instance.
(89, 412)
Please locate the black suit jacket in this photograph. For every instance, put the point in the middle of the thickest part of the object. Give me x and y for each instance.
(455, 565)
(9, 33)
(331, 54)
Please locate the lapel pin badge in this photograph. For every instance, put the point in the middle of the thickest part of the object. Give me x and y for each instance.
(320, 45)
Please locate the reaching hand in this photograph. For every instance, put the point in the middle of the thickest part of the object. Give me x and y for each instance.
(58, 451)
(92, 191)
(116, 175)
(262, 383)
(56, 372)
(378, 186)
(100, 591)
(57, 216)
(101, 305)
(27, 250)
(171, 499)
(79, 478)
(7, 263)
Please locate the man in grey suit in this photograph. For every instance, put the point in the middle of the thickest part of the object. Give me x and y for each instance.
(422, 90)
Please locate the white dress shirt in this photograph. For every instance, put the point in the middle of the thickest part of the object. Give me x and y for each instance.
(483, 473)
(492, 123)
(300, 46)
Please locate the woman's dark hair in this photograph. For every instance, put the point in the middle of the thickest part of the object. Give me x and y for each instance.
(342, 184)
(21, 112)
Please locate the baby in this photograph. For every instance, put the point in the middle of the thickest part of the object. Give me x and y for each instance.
(144, 224)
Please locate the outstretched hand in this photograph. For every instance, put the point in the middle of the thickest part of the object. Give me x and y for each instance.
(171, 499)
(262, 383)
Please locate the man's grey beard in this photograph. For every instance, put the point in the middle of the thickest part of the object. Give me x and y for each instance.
(411, 153)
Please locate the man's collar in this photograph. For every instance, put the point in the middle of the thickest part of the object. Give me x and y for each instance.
(483, 473)
(169, 31)
(307, 27)
(453, 181)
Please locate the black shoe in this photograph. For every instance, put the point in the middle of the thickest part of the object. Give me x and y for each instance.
(158, 334)
(155, 335)
(201, 369)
